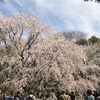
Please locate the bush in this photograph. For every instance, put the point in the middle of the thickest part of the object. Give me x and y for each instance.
(93, 40)
(82, 42)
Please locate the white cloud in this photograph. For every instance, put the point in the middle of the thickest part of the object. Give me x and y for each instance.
(76, 14)
(62, 14)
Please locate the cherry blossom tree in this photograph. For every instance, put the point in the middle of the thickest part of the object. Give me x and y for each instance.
(33, 56)
(19, 33)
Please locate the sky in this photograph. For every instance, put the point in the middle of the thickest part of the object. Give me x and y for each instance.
(62, 15)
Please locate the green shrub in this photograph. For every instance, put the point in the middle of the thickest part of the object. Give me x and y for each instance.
(93, 40)
(82, 42)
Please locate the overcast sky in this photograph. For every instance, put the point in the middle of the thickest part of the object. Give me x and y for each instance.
(61, 14)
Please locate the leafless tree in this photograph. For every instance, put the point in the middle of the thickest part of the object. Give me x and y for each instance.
(75, 35)
(2, 1)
